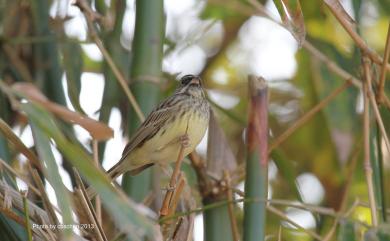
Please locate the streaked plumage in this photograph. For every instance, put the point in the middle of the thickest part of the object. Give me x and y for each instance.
(157, 140)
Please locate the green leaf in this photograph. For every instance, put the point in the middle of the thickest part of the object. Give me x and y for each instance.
(42, 143)
(73, 65)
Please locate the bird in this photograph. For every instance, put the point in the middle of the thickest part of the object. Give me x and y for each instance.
(180, 120)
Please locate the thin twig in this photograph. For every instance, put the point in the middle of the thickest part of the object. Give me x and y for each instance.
(366, 136)
(375, 57)
(88, 208)
(229, 194)
(10, 169)
(374, 105)
(172, 183)
(98, 204)
(176, 194)
(46, 202)
(280, 214)
(332, 66)
(344, 198)
(22, 148)
(91, 16)
(306, 117)
(382, 78)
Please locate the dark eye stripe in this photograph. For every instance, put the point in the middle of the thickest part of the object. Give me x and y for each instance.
(186, 79)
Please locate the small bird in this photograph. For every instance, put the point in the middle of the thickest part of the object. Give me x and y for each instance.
(181, 119)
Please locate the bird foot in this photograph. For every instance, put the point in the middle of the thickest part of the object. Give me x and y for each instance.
(184, 140)
(169, 188)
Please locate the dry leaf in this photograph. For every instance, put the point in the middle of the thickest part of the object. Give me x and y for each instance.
(219, 154)
(97, 130)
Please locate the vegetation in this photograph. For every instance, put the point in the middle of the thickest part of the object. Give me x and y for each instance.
(312, 146)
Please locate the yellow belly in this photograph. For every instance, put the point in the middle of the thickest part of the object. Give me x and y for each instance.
(164, 147)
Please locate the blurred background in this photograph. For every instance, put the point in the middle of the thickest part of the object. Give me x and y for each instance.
(154, 43)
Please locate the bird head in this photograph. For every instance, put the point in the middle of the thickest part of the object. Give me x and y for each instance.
(192, 85)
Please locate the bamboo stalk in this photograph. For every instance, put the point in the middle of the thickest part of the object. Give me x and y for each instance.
(256, 180)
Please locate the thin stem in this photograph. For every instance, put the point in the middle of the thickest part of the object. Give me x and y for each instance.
(88, 208)
(172, 183)
(280, 214)
(306, 117)
(366, 139)
(374, 104)
(27, 218)
(21, 177)
(91, 16)
(357, 39)
(98, 204)
(46, 202)
(382, 78)
(229, 194)
(332, 66)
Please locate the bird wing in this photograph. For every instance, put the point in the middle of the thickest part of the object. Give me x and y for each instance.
(153, 123)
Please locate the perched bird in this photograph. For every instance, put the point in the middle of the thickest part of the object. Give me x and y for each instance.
(159, 138)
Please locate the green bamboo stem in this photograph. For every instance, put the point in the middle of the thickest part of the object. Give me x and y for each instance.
(215, 219)
(256, 181)
(147, 54)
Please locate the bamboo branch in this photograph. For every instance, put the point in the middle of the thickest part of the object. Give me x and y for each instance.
(165, 208)
(375, 57)
(332, 66)
(366, 136)
(382, 78)
(306, 117)
(371, 97)
(98, 204)
(92, 16)
(88, 208)
(280, 214)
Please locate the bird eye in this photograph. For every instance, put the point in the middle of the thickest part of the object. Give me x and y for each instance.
(186, 79)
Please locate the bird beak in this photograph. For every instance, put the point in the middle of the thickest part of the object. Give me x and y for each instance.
(195, 81)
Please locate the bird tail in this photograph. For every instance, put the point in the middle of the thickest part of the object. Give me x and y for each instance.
(116, 171)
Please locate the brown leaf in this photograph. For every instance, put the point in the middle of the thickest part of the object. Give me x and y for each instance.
(219, 154)
(96, 129)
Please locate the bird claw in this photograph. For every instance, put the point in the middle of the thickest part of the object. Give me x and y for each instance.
(169, 188)
(184, 140)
